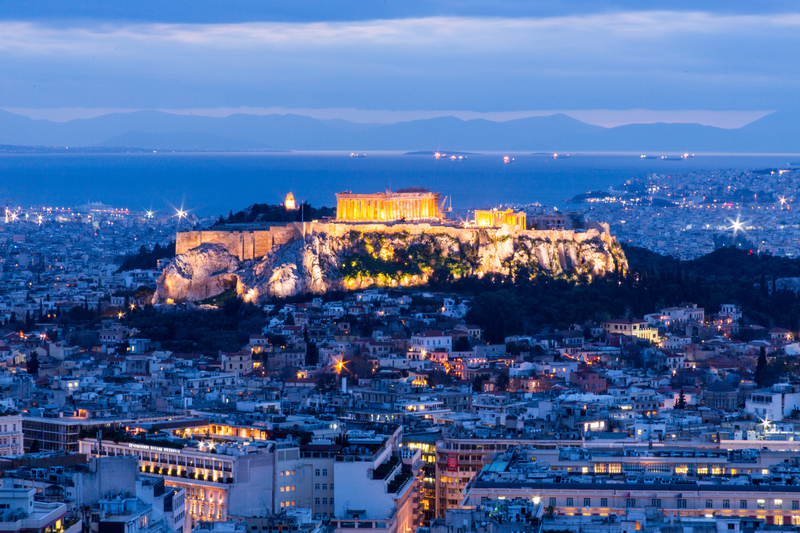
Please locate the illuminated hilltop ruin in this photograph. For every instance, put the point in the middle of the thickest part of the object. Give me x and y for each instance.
(391, 239)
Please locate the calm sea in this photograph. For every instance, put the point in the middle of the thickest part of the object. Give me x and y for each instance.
(213, 184)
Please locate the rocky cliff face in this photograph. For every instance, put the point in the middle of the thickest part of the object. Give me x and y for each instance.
(200, 273)
(341, 257)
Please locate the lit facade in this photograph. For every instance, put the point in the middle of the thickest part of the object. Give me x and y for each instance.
(496, 219)
(411, 204)
(289, 203)
(219, 481)
(684, 482)
(631, 328)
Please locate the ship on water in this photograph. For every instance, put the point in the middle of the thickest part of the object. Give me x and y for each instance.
(668, 157)
(353, 154)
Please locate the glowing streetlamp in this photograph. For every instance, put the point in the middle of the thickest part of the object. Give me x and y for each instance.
(737, 225)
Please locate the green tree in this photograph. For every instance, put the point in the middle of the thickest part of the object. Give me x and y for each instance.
(32, 364)
(681, 403)
(461, 344)
(760, 365)
(502, 380)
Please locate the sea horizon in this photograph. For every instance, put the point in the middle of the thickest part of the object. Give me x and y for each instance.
(214, 183)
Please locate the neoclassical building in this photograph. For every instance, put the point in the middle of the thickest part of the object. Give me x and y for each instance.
(410, 204)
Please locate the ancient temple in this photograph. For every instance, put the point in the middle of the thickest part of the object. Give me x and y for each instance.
(497, 219)
(410, 204)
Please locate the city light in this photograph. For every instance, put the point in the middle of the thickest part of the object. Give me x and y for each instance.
(736, 225)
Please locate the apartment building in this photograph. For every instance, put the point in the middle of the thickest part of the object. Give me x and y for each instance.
(739, 484)
(377, 484)
(11, 436)
(63, 433)
(221, 479)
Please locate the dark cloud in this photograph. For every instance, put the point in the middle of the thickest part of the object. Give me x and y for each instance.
(450, 56)
(230, 11)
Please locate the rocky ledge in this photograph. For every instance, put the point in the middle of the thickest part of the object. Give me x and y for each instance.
(340, 257)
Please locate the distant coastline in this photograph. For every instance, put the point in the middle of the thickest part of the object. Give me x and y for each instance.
(777, 132)
(11, 149)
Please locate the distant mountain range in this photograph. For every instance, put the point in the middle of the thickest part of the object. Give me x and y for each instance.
(778, 132)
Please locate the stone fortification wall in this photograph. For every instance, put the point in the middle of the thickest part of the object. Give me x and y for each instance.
(464, 235)
(244, 244)
(255, 244)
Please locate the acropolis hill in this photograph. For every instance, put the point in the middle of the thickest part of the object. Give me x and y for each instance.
(315, 257)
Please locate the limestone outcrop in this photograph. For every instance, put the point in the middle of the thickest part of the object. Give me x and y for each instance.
(200, 273)
(334, 256)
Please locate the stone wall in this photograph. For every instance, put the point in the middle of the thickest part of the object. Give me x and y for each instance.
(255, 244)
(247, 244)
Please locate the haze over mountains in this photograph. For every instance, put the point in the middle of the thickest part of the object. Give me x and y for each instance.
(778, 132)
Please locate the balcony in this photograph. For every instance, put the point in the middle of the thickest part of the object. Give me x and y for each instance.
(400, 481)
(386, 468)
(184, 474)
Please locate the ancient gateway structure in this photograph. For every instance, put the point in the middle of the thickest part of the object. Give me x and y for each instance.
(411, 205)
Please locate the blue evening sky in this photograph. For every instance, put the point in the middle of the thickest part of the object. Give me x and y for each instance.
(395, 60)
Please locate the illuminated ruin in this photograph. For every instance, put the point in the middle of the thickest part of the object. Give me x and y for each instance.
(498, 219)
(410, 204)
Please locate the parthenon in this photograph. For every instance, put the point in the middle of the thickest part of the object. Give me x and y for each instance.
(410, 204)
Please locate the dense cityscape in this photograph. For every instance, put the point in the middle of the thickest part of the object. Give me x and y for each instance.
(438, 266)
(688, 214)
(246, 413)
